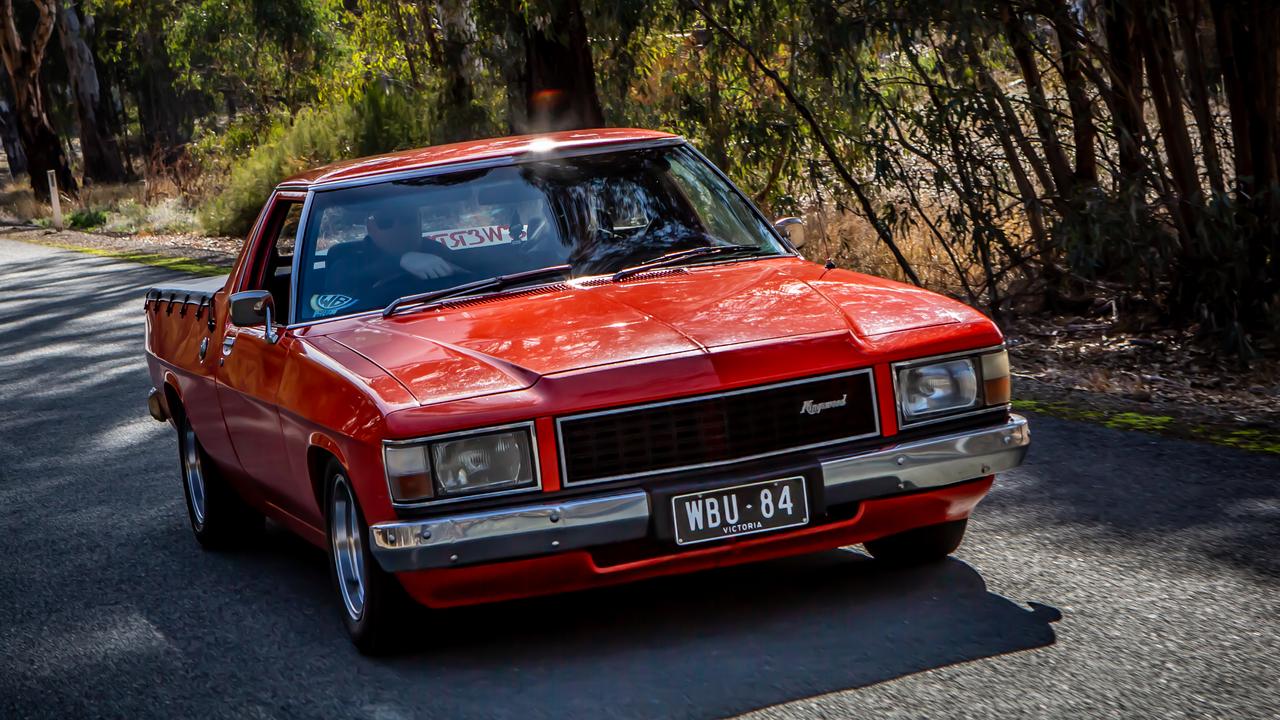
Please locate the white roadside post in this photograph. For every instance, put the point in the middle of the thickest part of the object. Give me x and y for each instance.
(55, 201)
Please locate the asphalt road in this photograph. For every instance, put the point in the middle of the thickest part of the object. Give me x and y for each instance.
(1116, 574)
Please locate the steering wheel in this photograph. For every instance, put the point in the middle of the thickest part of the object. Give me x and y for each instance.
(536, 237)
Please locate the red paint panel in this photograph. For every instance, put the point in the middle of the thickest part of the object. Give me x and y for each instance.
(548, 457)
(504, 344)
(471, 152)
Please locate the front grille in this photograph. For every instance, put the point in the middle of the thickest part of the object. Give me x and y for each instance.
(719, 428)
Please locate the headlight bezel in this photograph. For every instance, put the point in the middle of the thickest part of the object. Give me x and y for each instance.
(425, 444)
(979, 362)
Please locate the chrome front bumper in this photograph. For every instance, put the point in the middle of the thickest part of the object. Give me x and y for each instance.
(535, 529)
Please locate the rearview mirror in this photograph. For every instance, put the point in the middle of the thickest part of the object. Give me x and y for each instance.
(791, 228)
(251, 308)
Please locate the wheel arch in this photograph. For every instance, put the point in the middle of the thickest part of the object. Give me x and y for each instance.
(321, 450)
(172, 399)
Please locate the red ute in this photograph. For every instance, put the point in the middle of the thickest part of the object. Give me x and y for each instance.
(536, 364)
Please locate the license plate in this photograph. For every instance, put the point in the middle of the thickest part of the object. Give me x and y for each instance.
(740, 510)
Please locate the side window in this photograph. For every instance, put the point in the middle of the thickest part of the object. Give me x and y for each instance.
(273, 263)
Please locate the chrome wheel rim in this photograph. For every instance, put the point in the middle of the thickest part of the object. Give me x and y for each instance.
(193, 472)
(348, 548)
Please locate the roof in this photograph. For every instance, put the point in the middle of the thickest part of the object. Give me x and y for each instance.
(470, 151)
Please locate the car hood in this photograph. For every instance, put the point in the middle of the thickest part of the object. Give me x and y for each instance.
(504, 343)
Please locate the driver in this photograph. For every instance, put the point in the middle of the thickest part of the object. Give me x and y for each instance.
(392, 260)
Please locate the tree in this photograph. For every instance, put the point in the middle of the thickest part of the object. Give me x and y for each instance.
(22, 63)
(101, 155)
(9, 138)
(553, 87)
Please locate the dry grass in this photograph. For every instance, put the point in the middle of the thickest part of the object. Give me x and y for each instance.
(852, 242)
(18, 205)
(134, 208)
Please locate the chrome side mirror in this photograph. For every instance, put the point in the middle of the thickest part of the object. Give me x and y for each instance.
(250, 308)
(784, 227)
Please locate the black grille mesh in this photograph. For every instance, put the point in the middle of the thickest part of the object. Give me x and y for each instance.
(717, 428)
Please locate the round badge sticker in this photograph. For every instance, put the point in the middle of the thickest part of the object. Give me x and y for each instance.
(325, 305)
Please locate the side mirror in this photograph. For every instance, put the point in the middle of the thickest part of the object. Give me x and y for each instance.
(250, 308)
(785, 225)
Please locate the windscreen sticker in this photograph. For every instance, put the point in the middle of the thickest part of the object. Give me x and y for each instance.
(326, 305)
(474, 237)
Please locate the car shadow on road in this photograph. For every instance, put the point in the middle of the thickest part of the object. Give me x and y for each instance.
(706, 645)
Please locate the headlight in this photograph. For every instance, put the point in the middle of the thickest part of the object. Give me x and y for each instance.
(474, 463)
(938, 389)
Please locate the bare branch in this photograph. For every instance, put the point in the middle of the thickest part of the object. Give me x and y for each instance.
(841, 169)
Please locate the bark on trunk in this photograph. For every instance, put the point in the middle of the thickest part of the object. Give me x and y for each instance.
(1198, 90)
(13, 153)
(164, 114)
(1020, 43)
(1120, 27)
(460, 117)
(1166, 95)
(101, 156)
(22, 60)
(1246, 36)
(1083, 129)
(557, 81)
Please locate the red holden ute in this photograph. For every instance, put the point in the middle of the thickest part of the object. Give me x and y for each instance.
(538, 364)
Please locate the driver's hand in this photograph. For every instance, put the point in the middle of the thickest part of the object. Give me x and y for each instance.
(427, 266)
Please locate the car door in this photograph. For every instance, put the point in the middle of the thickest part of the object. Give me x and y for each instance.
(251, 365)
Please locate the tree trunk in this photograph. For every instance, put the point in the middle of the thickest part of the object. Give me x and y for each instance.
(13, 153)
(1083, 129)
(1198, 89)
(164, 114)
(557, 81)
(1120, 26)
(1020, 43)
(460, 117)
(22, 62)
(1246, 35)
(101, 156)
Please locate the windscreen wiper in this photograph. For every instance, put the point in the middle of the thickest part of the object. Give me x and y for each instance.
(493, 283)
(680, 256)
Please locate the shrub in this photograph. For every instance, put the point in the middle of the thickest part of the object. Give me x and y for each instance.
(376, 121)
(87, 218)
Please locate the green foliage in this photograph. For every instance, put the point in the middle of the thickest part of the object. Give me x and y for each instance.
(952, 126)
(374, 122)
(86, 218)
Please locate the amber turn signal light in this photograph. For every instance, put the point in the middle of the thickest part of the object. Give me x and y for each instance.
(996, 386)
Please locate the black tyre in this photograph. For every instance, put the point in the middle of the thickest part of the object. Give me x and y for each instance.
(921, 545)
(220, 519)
(374, 605)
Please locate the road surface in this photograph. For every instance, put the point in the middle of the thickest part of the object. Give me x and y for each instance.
(1116, 574)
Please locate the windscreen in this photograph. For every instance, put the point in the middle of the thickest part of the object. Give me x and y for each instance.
(366, 246)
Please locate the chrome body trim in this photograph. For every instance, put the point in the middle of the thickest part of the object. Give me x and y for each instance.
(533, 451)
(155, 407)
(510, 532)
(549, 527)
(295, 288)
(943, 416)
(929, 463)
(564, 476)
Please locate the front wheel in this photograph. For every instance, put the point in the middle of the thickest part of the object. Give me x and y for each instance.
(918, 546)
(373, 603)
(220, 518)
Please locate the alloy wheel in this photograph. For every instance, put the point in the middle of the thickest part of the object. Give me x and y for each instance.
(348, 548)
(193, 472)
